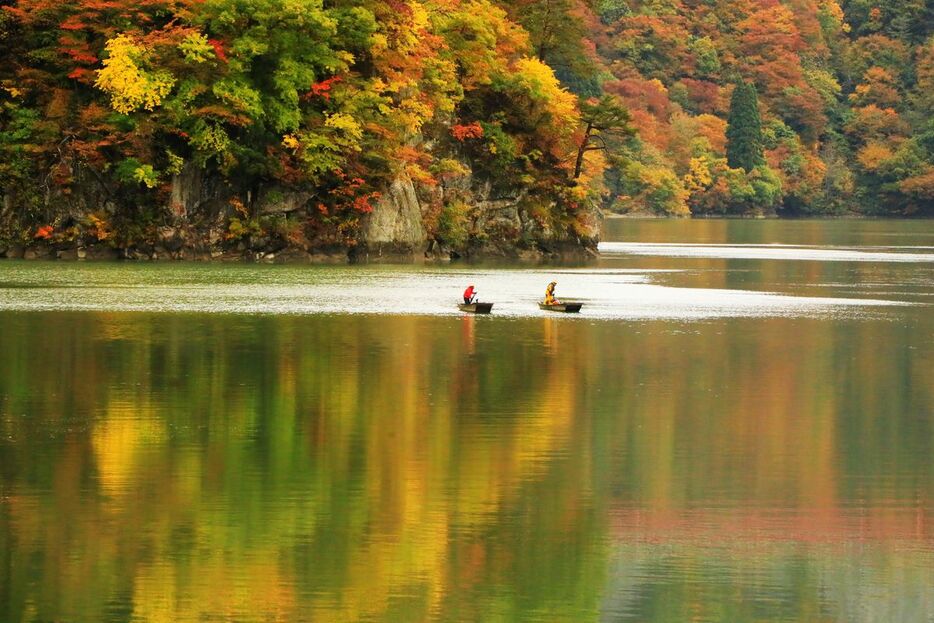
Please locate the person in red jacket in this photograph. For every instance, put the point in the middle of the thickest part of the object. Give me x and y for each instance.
(469, 295)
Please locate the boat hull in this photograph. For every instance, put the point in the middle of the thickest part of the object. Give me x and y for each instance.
(563, 308)
(476, 308)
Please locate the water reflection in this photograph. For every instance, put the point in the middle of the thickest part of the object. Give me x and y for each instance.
(693, 448)
(608, 292)
(329, 468)
(735, 255)
(766, 252)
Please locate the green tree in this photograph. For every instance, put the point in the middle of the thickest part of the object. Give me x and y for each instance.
(556, 34)
(605, 121)
(744, 129)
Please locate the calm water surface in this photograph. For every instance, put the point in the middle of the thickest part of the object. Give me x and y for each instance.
(739, 427)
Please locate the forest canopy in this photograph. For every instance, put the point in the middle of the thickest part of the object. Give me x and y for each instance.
(626, 104)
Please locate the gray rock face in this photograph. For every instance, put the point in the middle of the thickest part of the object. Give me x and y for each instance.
(514, 225)
(281, 201)
(395, 227)
(14, 252)
(186, 192)
(195, 195)
(172, 239)
(459, 217)
(36, 252)
(499, 218)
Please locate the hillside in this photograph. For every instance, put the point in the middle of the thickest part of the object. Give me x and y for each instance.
(846, 95)
(246, 128)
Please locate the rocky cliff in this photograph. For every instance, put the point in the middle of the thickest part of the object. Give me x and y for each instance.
(206, 218)
(394, 229)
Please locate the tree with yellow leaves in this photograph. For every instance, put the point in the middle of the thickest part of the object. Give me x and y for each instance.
(128, 80)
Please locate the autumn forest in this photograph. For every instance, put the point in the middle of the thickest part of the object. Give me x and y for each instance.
(122, 121)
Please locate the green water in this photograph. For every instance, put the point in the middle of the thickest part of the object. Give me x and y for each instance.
(726, 433)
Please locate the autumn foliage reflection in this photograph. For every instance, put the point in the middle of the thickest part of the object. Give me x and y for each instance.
(405, 468)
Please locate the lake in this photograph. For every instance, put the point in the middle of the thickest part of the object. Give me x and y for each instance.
(739, 426)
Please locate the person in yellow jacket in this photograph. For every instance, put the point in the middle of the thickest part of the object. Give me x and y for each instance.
(550, 294)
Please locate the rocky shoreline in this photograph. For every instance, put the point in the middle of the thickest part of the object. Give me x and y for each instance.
(198, 224)
(553, 251)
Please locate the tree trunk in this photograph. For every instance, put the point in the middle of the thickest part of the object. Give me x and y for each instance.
(580, 151)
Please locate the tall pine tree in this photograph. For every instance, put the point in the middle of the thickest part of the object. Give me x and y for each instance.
(744, 129)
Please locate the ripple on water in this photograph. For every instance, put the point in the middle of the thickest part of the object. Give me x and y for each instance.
(607, 293)
(768, 252)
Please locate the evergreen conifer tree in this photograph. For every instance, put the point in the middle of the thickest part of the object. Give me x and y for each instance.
(744, 129)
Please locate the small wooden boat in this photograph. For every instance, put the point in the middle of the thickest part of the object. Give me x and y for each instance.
(566, 308)
(476, 308)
